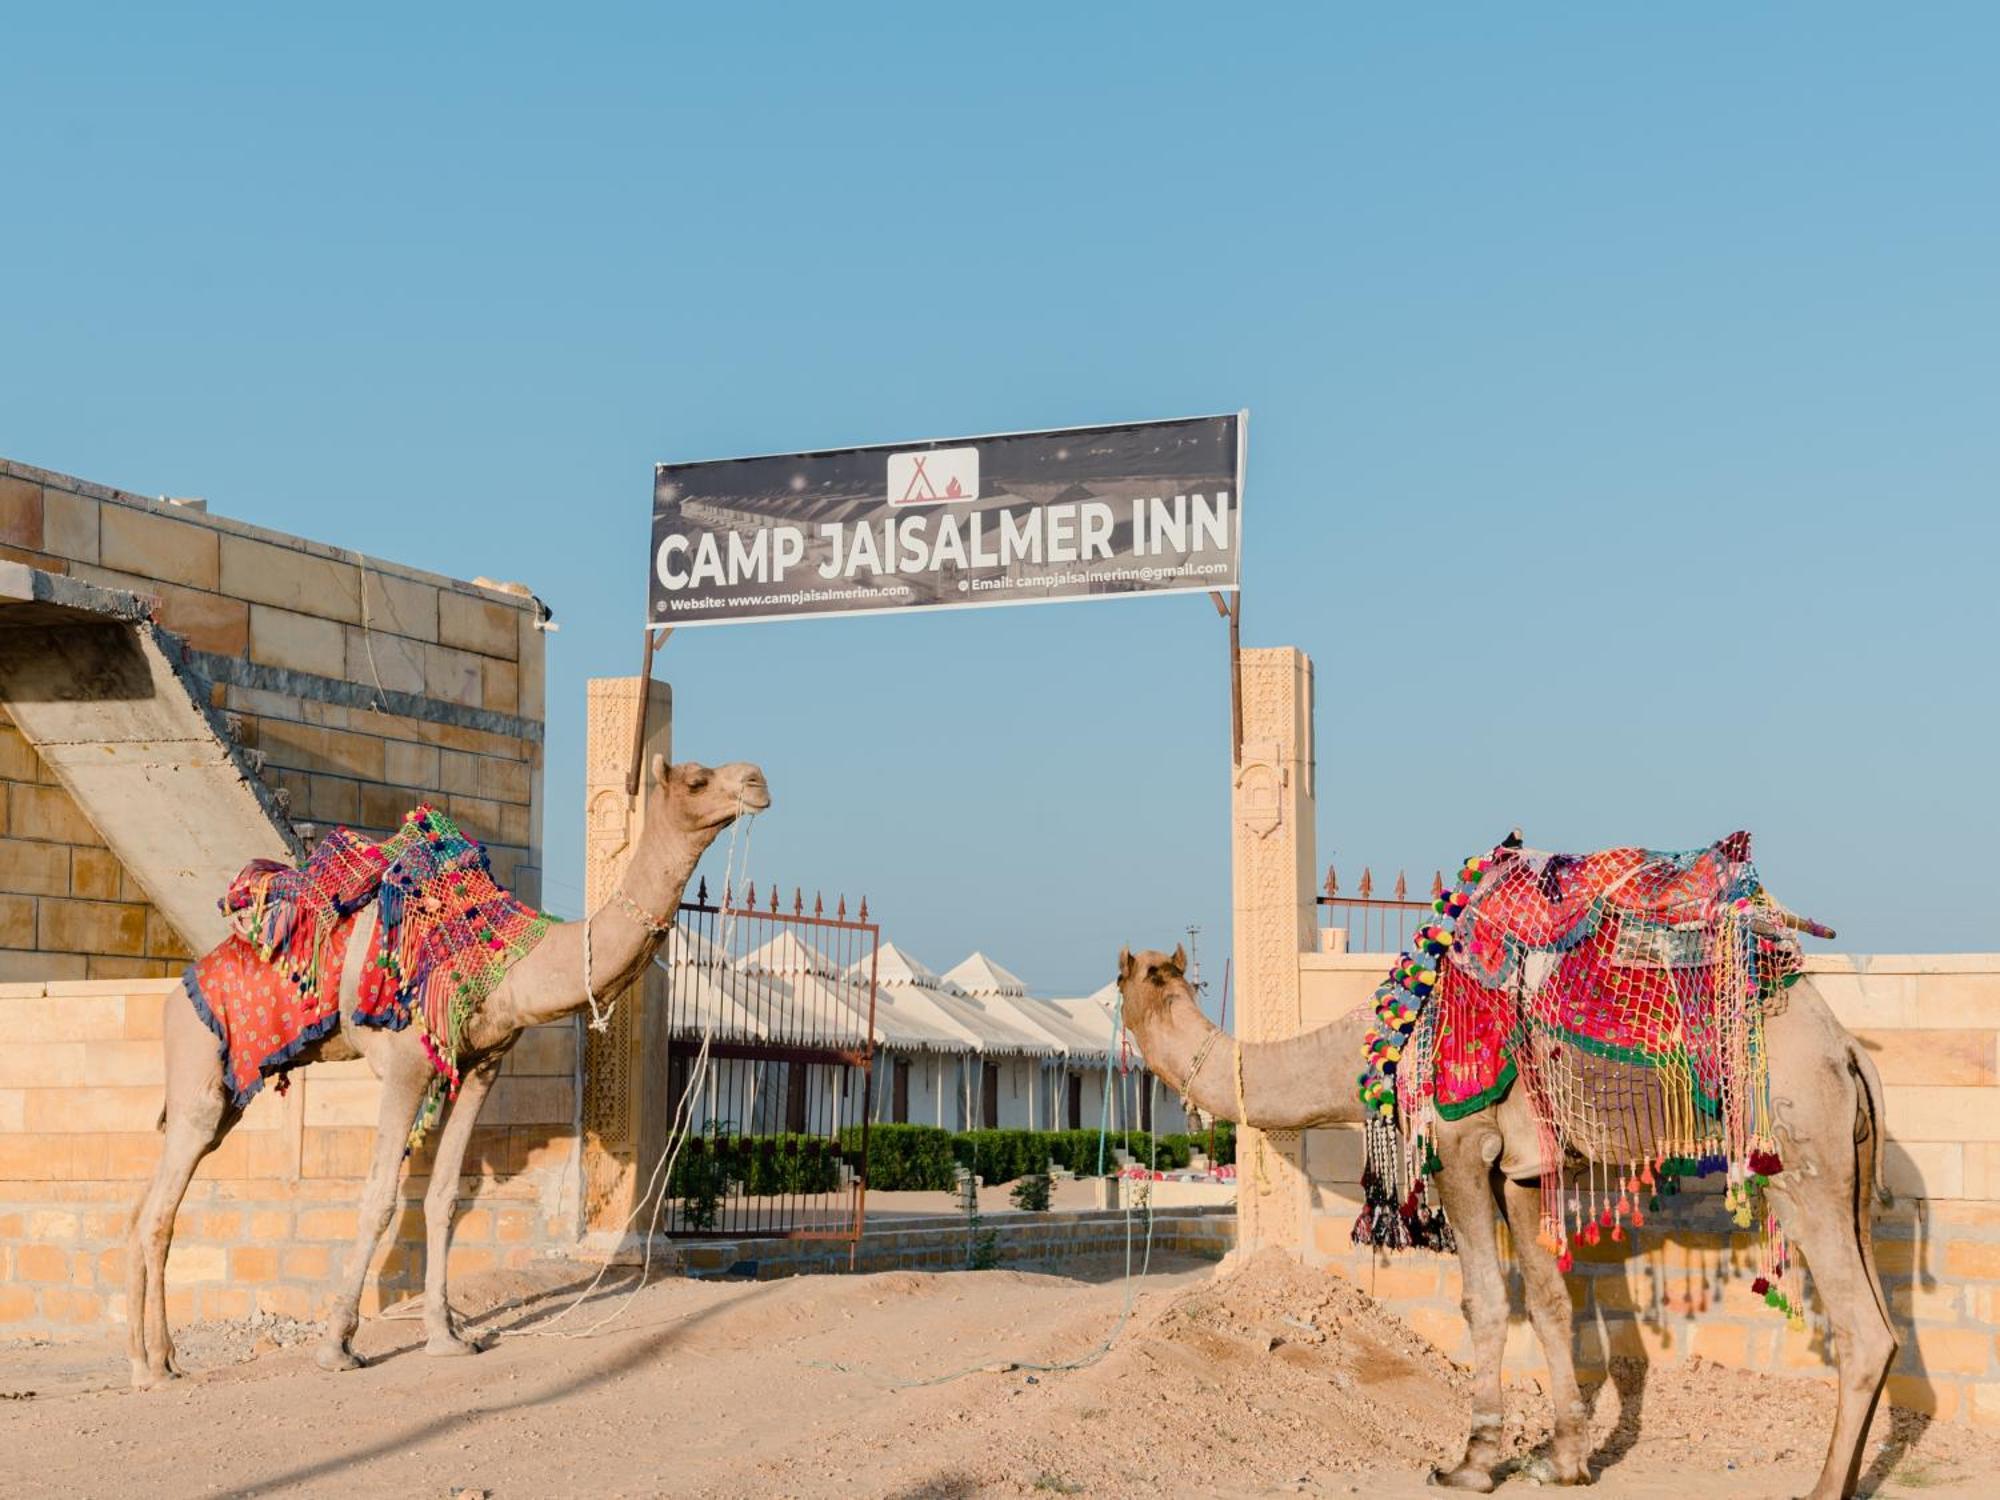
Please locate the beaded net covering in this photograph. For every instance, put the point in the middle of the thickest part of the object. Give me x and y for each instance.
(1623, 992)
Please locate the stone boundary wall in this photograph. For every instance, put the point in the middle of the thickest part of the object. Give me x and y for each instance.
(362, 685)
(1026, 1242)
(1681, 1287)
(270, 1213)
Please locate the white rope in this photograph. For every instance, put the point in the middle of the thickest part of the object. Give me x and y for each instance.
(678, 1133)
(599, 1019)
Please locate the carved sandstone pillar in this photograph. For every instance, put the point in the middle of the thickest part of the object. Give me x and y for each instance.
(613, 1078)
(1273, 857)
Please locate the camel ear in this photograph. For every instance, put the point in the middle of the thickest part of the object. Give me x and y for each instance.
(1124, 964)
(1180, 957)
(660, 769)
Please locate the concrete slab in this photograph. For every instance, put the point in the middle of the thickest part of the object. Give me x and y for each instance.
(121, 719)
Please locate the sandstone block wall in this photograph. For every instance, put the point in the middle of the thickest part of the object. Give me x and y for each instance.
(270, 1213)
(365, 686)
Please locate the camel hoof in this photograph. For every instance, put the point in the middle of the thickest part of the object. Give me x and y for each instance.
(144, 1378)
(450, 1346)
(334, 1358)
(1546, 1471)
(1463, 1478)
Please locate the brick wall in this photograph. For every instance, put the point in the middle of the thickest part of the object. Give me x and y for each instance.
(270, 1212)
(68, 909)
(1681, 1287)
(364, 685)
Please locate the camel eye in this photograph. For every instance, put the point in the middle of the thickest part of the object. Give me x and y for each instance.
(696, 783)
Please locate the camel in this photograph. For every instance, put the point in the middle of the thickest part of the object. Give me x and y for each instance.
(687, 807)
(1826, 1104)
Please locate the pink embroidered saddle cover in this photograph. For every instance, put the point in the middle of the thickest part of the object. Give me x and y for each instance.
(1613, 953)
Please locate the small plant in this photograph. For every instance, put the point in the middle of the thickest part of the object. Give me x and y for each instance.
(982, 1246)
(985, 1252)
(1031, 1193)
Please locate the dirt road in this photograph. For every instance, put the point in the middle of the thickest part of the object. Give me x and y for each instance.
(1270, 1380)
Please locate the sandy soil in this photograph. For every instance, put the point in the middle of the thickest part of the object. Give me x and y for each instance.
(1264, 1380)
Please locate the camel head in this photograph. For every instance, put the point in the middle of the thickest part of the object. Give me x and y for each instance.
(1155, 988)
(703, 800)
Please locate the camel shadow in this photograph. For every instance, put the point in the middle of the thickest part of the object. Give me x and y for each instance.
(642, 1349)
(1678, 1279)
(537, 1308)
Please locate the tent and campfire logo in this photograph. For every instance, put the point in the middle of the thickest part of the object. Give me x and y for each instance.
(937, 476)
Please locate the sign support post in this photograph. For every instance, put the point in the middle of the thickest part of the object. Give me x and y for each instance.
(637, 771)
(1230, 607)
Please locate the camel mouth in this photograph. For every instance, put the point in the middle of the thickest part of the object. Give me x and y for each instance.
(754, 795)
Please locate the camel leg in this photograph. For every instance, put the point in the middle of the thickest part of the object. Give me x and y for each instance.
(440, 1203)
(1465, 1187)
(195, 1118)
(1823, 1201)
(1549, 1310)
(403, 1086)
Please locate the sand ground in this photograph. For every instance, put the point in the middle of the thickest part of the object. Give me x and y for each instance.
(1266, 1379)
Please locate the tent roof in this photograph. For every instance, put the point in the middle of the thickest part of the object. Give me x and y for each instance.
(979, 975)
(1075, 1038)
(999, 1026)
(989, 1025)
(787, 955)
(907, 1009)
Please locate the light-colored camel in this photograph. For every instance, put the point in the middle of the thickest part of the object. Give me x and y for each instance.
(687, 807)
(1826, 1106)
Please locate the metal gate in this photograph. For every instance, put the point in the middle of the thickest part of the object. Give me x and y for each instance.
(777, 1120)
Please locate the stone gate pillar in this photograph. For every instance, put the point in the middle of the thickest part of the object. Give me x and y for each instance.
(1272, 864)
(613, 1073)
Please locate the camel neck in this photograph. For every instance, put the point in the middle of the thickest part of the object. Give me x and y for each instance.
(1285, 1085)
(627, 930)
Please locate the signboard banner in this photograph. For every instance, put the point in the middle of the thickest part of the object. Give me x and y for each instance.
(1023, 518)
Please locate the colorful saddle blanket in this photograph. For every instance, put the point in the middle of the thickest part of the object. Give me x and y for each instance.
(1614, 953)
(1623, 992)
(446, 935)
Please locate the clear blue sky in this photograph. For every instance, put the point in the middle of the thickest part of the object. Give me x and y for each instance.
(1623, 390)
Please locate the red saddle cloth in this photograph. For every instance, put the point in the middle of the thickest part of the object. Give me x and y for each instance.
(269, 995)
(261, 1014)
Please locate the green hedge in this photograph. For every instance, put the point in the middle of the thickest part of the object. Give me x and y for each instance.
(911, 1158)
(903, 1158)
(763, 1166)
(997, 1156)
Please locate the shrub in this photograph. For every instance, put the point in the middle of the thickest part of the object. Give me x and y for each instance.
(1031, 1193)
(903, 1158)
(999, 1156)
(762, 1166)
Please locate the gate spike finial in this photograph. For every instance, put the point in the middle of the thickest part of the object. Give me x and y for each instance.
(1402, 887)
(798, 902)
(1367, 883)
(774, 897)
(863, 914)
(750, 898)
(701, 894)
(841, 914)
(1332, 883)
(819, 904)
(1437, 884)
